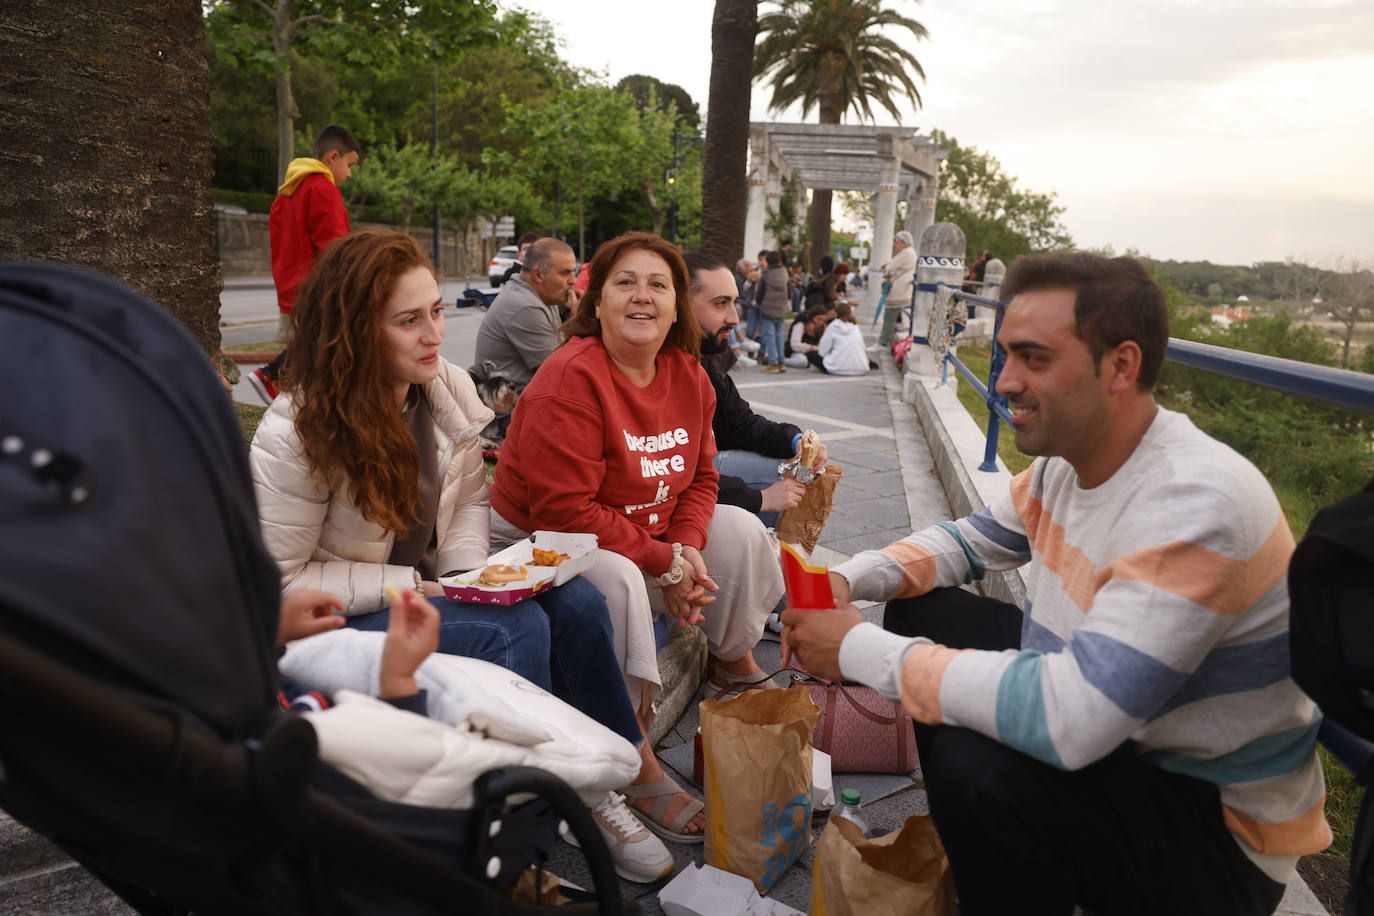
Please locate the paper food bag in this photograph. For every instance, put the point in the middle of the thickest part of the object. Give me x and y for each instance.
(802, 524)
(903, 873)
(757, 750)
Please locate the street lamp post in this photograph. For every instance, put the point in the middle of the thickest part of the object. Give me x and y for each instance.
(434, 149)
(693, 139)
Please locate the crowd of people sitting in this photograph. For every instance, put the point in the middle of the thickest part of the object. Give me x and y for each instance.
(1071, 746)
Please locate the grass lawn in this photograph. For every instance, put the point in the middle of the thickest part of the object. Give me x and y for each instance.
(263, 345)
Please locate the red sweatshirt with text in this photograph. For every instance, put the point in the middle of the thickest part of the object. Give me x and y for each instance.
(588, 451)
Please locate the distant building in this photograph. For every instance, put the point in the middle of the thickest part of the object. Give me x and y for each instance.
(1223, 316)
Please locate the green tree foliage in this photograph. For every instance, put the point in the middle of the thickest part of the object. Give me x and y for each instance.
(577, 147)
(979, 197)
(359, 32)
(836, 56)
(1311, 452)
(651, 92)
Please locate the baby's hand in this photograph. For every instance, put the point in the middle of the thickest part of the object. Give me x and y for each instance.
(412, 633)
(305, 612)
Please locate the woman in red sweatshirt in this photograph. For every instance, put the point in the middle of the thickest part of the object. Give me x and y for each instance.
(613, 436)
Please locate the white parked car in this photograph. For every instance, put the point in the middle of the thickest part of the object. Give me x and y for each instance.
(504, 258)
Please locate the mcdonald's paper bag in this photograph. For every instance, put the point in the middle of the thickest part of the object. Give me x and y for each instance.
(903, 873)
(802, 524)
(757, 750)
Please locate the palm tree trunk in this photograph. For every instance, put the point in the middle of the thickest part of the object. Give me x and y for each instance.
(113, 107)
(724, 181)
(830, 105)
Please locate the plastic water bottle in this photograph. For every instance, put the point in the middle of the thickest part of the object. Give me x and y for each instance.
(849, 810)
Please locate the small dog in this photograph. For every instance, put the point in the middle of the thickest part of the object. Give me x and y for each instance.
(500, 394)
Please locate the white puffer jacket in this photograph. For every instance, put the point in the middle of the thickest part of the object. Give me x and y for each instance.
(321, 540)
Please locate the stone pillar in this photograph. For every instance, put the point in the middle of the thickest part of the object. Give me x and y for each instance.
(884, 217)
(992, 287)
(922, 216)
(941, 260)
(753, 222)
(773, 194)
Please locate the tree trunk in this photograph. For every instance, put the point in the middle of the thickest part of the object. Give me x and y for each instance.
(724, 179)
(658, 214)
(108, 111)
(287, 112)
(828, 103)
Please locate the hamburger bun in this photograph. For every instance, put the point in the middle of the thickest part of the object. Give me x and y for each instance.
(810, 447)
(501, 575)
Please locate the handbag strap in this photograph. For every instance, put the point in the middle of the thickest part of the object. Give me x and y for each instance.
(832, 688)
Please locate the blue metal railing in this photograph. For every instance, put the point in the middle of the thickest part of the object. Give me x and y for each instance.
(1353, 390)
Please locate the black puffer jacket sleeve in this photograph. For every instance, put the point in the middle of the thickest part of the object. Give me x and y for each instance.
(736, 426)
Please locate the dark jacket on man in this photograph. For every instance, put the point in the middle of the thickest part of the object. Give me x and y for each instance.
(736, 426)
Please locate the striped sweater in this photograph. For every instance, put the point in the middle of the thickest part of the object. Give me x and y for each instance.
(1156, 613)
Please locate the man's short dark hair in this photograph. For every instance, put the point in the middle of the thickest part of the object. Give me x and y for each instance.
(698, 263)
(775, 259)
(1115, 300)
(529, 238)
(540, 254)
(336, 137)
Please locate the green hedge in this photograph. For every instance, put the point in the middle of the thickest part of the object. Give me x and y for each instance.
(252, 201)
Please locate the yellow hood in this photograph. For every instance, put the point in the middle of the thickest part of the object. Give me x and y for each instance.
(298, 171)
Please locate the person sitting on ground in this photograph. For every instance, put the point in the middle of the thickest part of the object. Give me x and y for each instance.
(899, 273)
(815, 291)
(306, 216)
(614, 437)
(1130, 740)
(841, 289)
(369, 474)
(522, 248)
(842, 350)
(750, 448)
(804, 337)
(520, 329)
(771, 296)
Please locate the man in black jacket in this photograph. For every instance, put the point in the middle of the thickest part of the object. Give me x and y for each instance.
(749, 447)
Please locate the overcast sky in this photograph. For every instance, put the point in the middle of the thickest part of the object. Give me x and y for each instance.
(1229, 130)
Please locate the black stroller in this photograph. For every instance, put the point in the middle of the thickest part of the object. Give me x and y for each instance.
(139, 728)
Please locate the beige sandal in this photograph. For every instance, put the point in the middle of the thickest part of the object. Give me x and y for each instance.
(662, 793)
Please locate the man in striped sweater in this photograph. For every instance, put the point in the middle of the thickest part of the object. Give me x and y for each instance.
(1129, 740)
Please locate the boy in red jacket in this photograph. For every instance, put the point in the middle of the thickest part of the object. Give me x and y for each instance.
(307, 215)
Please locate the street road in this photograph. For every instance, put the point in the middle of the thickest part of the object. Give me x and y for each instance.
(248, 314)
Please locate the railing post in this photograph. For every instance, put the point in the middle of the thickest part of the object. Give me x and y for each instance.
(992, 288)
(940, 259)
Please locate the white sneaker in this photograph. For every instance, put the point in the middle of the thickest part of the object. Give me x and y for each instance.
(746, 360)
(638, 855)
(751, 346)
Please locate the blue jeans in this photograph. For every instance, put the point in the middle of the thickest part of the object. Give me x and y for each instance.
(772, 341)
(751, 326)
(559, 640)
(758, 471)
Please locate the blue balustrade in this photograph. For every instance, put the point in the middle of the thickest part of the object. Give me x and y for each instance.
(1341, 387)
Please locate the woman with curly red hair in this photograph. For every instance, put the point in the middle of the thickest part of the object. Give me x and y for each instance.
(368, 472)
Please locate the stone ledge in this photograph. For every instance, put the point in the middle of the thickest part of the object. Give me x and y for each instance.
(957, 445)
(681, 668)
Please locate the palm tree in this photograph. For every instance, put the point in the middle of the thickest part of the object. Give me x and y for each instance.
(724, 181)
(832, 55)
(114, 110)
